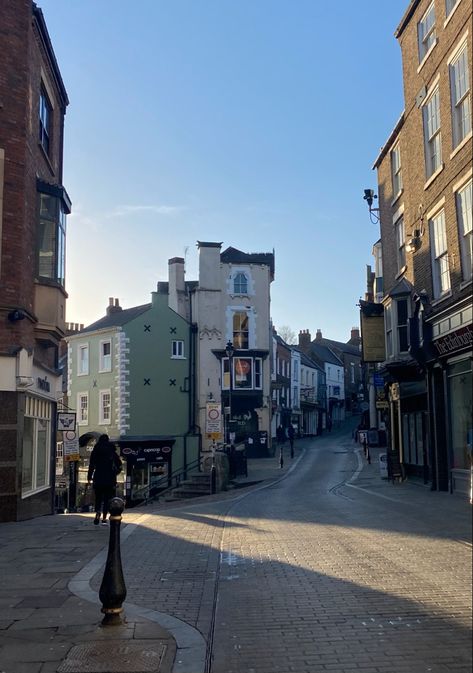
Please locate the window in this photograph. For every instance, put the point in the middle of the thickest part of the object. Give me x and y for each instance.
(461, 99)
(464, 217)
(402, 310)
(400, 244)
(45, 115)
(396, 322)
(105, 356)
(352, 372)
(258, 374)
(426, 34)
(396, 175)
(440, 270)
(36, 445)
(105, 408)
(240, 330)
(247, 373)
(82, 408)
(296, 371)
(82, 359)
(450, 6)
(52, 238)
(177, 349)
(240, 284)
(388, 324)
(432, 135)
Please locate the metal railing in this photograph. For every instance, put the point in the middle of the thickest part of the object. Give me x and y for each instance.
(166, 483)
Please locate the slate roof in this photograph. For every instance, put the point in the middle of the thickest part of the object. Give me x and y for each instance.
(234, 256)
(306, 361)
(344, 347)
(325, 354)
(116, 318)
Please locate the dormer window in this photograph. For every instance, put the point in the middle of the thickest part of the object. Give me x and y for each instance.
(240, 284)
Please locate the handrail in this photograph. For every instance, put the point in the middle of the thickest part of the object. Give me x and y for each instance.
(174, 478)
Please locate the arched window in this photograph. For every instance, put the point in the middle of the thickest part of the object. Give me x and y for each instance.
(240, 284)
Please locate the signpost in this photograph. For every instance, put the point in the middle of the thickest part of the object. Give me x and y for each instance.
(213, 420)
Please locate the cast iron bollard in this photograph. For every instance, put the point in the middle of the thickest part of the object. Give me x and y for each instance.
(281, 458)
(113, 590)
(213, 477)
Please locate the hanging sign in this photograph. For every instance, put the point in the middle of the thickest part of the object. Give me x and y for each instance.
(66, 421)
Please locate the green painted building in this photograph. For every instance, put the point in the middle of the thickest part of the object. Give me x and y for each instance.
(131, 376)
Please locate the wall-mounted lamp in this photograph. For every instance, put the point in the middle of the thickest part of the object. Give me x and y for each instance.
(414, 243)
(369, 197)
(16, 315)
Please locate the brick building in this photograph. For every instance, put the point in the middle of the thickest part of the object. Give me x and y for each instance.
(425, 196)
(33, 209)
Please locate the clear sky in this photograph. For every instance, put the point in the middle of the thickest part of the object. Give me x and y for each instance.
(251, 122)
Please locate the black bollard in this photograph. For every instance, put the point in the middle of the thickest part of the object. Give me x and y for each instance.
(113, 590)
(213, 479)
(281, 458)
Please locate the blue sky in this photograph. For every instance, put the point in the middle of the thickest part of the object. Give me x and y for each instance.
(251, 122)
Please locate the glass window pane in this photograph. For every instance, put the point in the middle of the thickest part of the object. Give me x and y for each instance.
(42, 452)
(28, 448)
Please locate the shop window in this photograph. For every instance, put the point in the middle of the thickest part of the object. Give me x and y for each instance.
(36, 446)
(413, 438)
(460, 396)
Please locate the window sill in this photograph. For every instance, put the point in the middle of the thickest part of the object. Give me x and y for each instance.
(461, 144)
(445, 296)
(426, 57)
(104, 371)
(433, 176)
(178, 357)
(398, 196)
(35, 491)
(452, 12)
(82, 373)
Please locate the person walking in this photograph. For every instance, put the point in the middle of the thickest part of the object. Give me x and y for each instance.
(291, 434)
(281, 438)
(103, 469)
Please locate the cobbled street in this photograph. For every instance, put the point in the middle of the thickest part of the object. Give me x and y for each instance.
(328, 568)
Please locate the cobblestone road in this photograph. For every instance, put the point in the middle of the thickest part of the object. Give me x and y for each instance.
(313, 574)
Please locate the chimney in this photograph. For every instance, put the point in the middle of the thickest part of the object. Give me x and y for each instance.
(113, 306)
(355, 333)
(304, 340)
(177, 285)
(209, 265)
(318, 335)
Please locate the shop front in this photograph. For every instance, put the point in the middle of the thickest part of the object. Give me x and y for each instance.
(148, 466)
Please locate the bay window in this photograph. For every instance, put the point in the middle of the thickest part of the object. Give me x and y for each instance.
(53, 207)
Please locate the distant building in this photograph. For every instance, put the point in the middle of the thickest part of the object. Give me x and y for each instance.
(425, 208)
(33, 209)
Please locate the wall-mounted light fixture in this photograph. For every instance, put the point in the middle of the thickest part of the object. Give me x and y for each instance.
(369, 197)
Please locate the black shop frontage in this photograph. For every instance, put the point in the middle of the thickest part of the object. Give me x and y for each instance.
(148, 463)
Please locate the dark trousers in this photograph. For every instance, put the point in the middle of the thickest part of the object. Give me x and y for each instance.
(102, 498)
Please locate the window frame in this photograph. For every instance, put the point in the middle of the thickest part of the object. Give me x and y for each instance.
(102, 419)
(83, 348)
(392, 327)
(177, 349)
(440, 267)
(465, 237)
(51, 238)
(426, 39)
(400, 233)
(461, 123)
(102, 362)
(37, 412)
(432, 138)
(45, 114)
(82, 419)
(241, 337)
(396, 170)
(242, 288)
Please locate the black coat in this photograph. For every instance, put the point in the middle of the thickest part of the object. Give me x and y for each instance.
(104, 465)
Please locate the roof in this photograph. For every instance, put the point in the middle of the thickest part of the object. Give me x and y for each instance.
(325, 354)
(116, 318)
(406, 18)
(306, 361)
(341, 346)
(234, 256)
(390, 141)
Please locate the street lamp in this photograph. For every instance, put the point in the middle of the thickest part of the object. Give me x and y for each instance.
(229, 350)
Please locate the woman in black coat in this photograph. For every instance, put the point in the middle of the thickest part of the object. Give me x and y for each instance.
(103, 469)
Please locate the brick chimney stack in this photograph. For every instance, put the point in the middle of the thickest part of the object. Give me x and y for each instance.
(113, 306)
(318, 335)
(355, 333)
(304, 340)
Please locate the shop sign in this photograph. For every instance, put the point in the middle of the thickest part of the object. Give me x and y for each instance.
(450, 343)
(372, 329)
(148, 453)
(66, 421)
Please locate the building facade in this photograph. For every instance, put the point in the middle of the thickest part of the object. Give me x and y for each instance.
(33, 210)
(425, 210)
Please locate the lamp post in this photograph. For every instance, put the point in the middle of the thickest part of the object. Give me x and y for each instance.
(229, 350)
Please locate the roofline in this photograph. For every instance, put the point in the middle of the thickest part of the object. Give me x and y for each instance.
(83, 333)
(406, 18)
(389, 142)
(43, 31)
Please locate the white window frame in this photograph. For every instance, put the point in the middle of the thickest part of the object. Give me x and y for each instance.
(82, 362)
(392, 327)
(439, 255)
(432, 133)
(39, 413)
(396, 171)
(450, 7)
(463, 202)
(257, 374)
(177, 349)
(242, 287)
(105, 361)
(426, 33)
(102, 418)
(388, 330)
(460, 94)
(82, 410)
(400, 243)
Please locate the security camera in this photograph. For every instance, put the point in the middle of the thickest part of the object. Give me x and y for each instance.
(369, 196)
